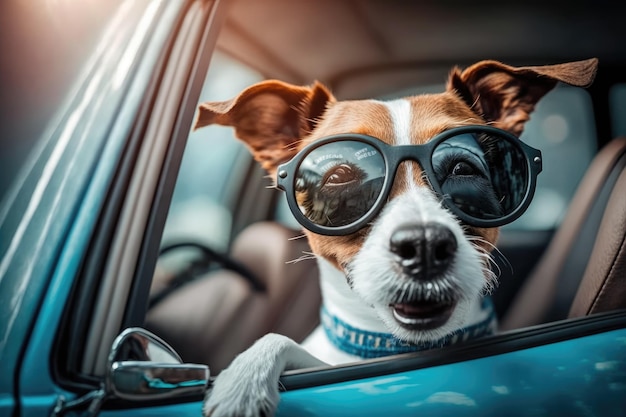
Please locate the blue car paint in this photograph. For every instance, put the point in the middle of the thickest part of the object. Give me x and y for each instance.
(193, 409)
(578, 377)
(118, 90)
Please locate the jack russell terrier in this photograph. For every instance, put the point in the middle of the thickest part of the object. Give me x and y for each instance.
(401, 202)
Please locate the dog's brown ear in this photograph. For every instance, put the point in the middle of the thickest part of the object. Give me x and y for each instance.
(505, 95)
(270, 117)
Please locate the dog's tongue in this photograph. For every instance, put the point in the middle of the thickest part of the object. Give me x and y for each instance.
(422, 315)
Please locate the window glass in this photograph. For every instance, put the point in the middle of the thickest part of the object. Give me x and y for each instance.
(209, 180)
(562, 127)
(617, 97)
(45, 47)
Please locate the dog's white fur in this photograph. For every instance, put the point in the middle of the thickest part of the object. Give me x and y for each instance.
(418, 205)
(487, 92)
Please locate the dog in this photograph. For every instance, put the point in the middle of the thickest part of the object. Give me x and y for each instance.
(401, 202)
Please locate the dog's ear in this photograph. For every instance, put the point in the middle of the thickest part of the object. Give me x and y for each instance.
(270, 117)
(505, 96)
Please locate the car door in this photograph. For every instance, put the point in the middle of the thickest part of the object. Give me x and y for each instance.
(573, 367)
(83, 215)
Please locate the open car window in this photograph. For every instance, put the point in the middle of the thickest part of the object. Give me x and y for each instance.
(562, 126)
(211, 175)
(217, 172)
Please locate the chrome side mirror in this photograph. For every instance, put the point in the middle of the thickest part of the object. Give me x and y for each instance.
(141, 366)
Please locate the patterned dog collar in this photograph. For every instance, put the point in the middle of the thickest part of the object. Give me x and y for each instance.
(368, 344)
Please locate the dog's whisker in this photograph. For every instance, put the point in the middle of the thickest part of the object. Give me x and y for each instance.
(306, 255)
(405, 292)
(489, 259)
(293, 146)
(493, 247)
(297, 237)
(482, 240)
(491, 270)
(497, 252)
(436, 291)
(491, 276)
(471, 120)
(301, 258)
(491, 283)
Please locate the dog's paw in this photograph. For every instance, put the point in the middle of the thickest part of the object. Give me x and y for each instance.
(240, 394)
(247, 388)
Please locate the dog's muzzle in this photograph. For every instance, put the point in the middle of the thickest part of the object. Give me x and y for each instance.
(424, 252)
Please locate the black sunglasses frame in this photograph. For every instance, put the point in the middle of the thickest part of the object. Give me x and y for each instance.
(392, 156)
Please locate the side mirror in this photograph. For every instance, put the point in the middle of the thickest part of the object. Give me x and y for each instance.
(141, 366)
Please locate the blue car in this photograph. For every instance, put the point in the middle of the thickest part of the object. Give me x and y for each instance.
(138, 256)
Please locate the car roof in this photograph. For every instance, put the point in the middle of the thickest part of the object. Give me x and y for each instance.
(364, 48)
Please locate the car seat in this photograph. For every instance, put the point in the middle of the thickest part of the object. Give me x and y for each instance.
(583, 269)
(218, 315)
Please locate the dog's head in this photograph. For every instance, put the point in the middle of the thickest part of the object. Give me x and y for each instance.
(414, 260)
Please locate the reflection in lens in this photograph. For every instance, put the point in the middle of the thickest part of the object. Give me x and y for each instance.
(339, 182)
(484, 175)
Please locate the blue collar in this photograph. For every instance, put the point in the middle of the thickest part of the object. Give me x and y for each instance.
(368, 344)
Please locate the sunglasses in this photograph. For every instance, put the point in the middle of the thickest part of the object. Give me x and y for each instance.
(485, 176)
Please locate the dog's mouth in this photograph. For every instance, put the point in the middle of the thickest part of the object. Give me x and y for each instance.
(423, 315)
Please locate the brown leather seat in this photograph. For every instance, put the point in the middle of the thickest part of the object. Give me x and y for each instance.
(583, 270)
(219, 315)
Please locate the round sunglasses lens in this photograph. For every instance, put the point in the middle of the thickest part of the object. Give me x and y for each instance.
(482, 174)
(337, 183)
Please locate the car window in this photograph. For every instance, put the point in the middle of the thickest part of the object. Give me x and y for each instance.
(617, 97)
(562, 127)
(208, 181)
(31, 96)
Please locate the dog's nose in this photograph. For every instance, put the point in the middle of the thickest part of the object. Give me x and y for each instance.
(424, 251)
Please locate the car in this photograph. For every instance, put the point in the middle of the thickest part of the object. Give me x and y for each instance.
(139, 256)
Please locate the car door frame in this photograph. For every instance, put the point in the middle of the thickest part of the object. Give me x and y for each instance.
(145, 86)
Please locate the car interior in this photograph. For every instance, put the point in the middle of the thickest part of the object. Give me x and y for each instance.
(234, 264)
